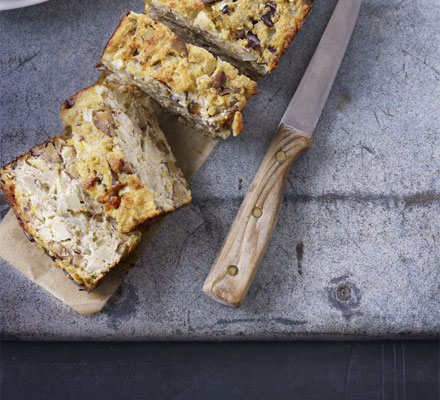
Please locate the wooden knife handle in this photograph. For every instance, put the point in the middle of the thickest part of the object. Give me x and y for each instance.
(244, 247)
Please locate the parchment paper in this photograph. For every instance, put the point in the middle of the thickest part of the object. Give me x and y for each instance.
(191, 150)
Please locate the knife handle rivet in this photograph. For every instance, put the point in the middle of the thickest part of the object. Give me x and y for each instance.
(232, 270)
(257, 212)
(281, 156)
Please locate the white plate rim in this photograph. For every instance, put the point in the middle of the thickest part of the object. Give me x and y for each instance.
(11, 4)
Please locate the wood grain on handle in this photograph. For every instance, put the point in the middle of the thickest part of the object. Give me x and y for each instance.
(244, 247)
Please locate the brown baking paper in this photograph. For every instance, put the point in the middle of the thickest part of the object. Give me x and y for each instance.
(191, 150)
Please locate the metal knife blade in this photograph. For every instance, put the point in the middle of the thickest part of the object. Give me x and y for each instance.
(306, 105)
(244, 247)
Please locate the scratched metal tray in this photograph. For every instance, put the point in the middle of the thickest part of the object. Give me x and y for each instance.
(356, 251)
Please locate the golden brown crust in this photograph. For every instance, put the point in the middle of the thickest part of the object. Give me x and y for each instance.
(96, 117)
(8, 187)
(28, 212)
(149, 54)
(101, 79)
(291, 33)
(261, 29)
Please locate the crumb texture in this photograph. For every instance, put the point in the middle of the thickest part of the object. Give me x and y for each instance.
(257, 31)
(187, 79)
(122, 156)
(46, 193)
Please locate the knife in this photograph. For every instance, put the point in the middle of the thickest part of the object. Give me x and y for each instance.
(234, 268)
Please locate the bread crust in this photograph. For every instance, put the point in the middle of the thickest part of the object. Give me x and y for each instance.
(103, 160)
(78, 273)
(252, 34)
(187, 79)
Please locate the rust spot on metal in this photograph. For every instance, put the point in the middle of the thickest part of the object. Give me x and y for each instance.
(345, 296)
(344, 99)
(421, 199)
(343, 292)
(299, 256)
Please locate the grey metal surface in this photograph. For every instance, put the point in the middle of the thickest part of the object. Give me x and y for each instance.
(304, 110)
(361, 213)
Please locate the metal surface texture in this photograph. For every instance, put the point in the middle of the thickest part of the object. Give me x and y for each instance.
(356, 249)
(384, 370)
(306, 105)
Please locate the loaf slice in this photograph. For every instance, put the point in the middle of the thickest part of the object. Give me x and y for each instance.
(46, 194)
(122, 156)
(188, 80)
(250, 34)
